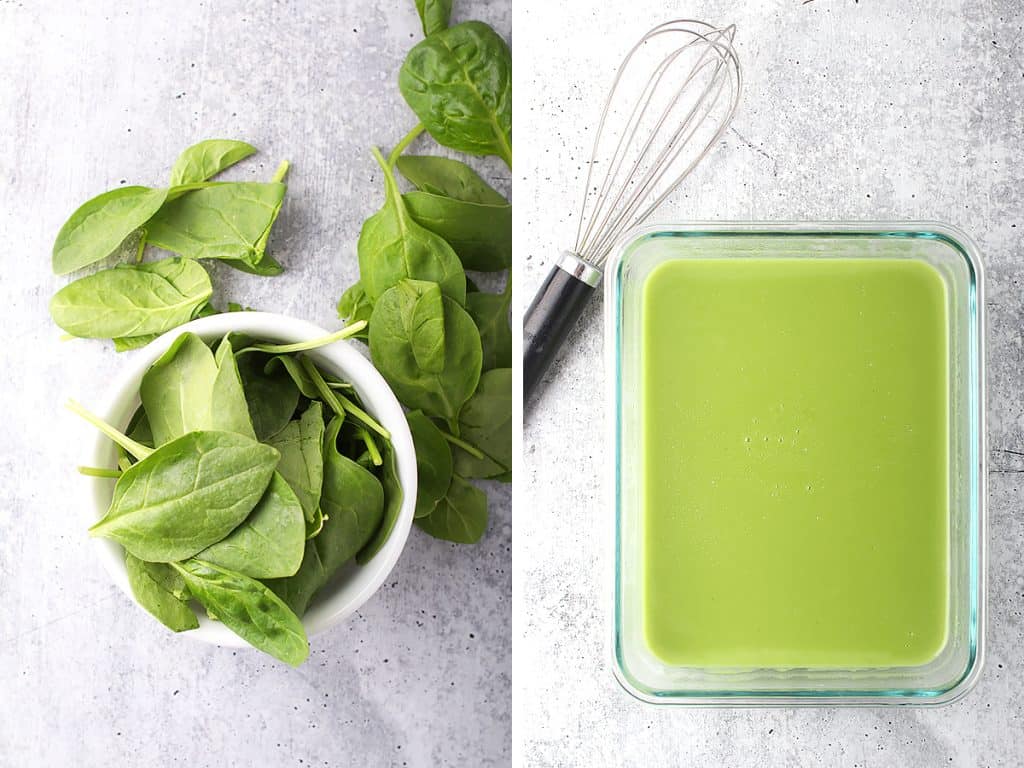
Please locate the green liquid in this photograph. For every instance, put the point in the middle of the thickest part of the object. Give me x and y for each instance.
(795, 502)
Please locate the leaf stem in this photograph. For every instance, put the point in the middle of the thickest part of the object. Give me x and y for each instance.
(99, 472)
(408, 139)
(371, 447)
(138, 450)
(472, 450)
(302, 346)
(338, 402)
(281, 172)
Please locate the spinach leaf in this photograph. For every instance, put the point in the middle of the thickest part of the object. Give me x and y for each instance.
(100, 225)
(297, 591)
(417, 306)
(248, 609)
(132, 299)
(206, 159)
(294, 369)
(490, 312)
(225, 221)
(486, 423)
(433, 462)
(229, 410)
(187, 495)
(392, 246)
(354, 305)
(449, 178)
(353, 501)
(272, 397)
(393, 350)
(177, 389)
(461, 516)
(125, 343)
(161, 591)
(270, 541)
(392, 506)
(434, 14)
(481, 234)
(300, 444)
(459, 83)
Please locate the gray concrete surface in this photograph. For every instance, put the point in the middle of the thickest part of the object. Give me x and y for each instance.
(852, 110)
(93, 95)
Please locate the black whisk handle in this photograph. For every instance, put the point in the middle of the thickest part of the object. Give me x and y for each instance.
(552, 314)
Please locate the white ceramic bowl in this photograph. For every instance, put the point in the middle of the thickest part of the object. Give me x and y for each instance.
(354, 584)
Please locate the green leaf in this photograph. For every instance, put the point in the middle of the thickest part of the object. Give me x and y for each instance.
(486, 423)
(300, 444)
(459, 83)
(132, 299)
(392, 506)
(177, 390)
(433, 462)
(270, 542)
(297, 591)
(461, 516)
(248, 609)
(480, 234)
(448, 178)
(353, 501)
(394, 353)
(354, 305)
(187, 495)
(272, 396)
(229, 409)
(225, 221)
(434, 14)
(490, 312)
(161, 591)
(206, 159)
(100, 225)
(392, 247)
(126, 343)
(297, 373)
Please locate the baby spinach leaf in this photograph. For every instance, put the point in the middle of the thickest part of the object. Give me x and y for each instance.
(434, 14)
(459, 83)
(354, 305)
(392, 506)
(393, 351)
(229, 410)
(161, 591)
(486, 423)
(300, 444)
(187, 495)
(417, 306)
(206, 159)
(125, 343)
(297, 591)
(294, 369)
(353, 501)
(433, 462)
(481, 234)
(449, 178)
(270, 541)
(248, 609)
(220, 221)
(461, 516)
(177, 389)
(100, 225)
(392, 246)
(132, 299)
(490, 312)
(272, 397)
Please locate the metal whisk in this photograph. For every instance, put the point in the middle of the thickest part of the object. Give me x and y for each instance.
(672, 99)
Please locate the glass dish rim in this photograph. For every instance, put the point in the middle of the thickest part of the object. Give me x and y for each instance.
(962, 243)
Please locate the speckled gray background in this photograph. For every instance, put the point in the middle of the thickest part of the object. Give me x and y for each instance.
(96, 94)
(852, 110)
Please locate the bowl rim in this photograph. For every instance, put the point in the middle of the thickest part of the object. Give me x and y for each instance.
(344, 357)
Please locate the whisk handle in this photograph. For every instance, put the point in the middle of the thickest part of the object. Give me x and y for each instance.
(552, 314)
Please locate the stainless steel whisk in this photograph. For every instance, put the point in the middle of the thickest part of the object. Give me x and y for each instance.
(672, 99)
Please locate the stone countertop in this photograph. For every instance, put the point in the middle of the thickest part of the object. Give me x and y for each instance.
(109, 94)
(851, 111)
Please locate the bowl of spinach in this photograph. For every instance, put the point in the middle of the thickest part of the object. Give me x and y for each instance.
(254, 480)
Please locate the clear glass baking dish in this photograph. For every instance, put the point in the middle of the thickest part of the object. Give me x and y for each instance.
(955, 669)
